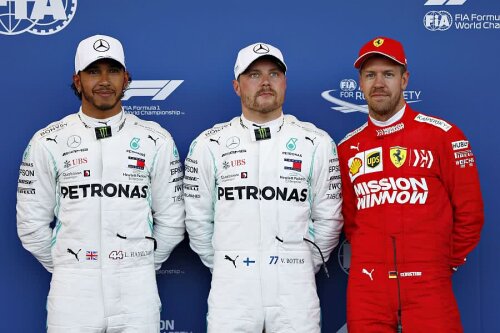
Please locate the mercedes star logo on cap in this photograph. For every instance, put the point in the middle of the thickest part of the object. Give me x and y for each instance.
(261, 49)
(101, 45)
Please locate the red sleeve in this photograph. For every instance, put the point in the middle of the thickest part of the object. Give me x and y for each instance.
(348, 195)
(461, 179)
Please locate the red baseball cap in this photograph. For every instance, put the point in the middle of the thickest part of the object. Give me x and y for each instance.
(388, 47)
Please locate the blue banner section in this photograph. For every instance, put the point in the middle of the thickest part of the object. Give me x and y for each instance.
(181, 55)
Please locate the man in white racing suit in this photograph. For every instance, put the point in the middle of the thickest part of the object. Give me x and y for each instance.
(263, 200)
(114, 184)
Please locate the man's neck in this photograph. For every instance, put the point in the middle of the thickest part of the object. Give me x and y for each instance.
(262, 117)
(93, 112)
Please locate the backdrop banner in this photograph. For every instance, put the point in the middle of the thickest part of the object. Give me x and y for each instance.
(181, 56)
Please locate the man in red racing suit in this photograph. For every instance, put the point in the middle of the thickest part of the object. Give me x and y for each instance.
(411, 202)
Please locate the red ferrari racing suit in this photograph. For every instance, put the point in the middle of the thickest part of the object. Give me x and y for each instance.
(413, 211)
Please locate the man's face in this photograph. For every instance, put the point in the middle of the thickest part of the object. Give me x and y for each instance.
(383, 83)
(261, 87)
(101, 84)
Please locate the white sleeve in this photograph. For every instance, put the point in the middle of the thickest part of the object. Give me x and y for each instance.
(199, 187)
(167, 201)
(327, 200)
(36, 202)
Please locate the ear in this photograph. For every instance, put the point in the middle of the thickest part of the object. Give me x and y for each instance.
(77, 82)
(125, 80)
(404, 80)
(360, 82)
(236, 87)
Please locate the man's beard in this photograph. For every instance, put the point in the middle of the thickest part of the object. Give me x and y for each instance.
(251, 102)
(386, 107)
(102, 107)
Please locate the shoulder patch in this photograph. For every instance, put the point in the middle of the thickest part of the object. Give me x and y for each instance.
(56, 126)
(353, 133)
(150, 126)
(433, 121)
(214, 130)
(306, 126)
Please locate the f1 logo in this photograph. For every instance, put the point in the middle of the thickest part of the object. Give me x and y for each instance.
(158, 89)
(444, 2)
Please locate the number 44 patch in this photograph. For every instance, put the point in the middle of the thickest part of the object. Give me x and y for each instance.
(116, 255)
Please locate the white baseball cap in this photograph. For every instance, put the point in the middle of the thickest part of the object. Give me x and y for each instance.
(98, 47)
(249, 54)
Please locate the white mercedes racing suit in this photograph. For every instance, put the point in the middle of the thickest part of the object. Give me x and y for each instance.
(254, 194)
(115, 200)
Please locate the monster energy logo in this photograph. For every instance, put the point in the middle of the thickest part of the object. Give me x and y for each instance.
(262, 133)
(103, 132)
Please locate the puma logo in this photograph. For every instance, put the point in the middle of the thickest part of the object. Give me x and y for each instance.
(355, 147)
(50, 139)
(226, 257)
(364, 271)
(154, 140)
(213, 140)
(312, 140)
(75, 254)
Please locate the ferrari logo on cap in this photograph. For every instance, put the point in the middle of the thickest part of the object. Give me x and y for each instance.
(398, 156)
(378, 42)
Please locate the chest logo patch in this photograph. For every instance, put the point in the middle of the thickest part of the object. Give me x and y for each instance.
(398, 156)
(355, 166)
(373, 159)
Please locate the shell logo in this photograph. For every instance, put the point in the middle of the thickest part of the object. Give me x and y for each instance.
(355, 166)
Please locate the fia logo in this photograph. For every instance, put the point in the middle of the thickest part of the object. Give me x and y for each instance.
(438, 20)
(38, 17)
(344, 256)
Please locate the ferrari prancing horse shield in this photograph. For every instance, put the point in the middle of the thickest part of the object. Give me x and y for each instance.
(398, 156)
